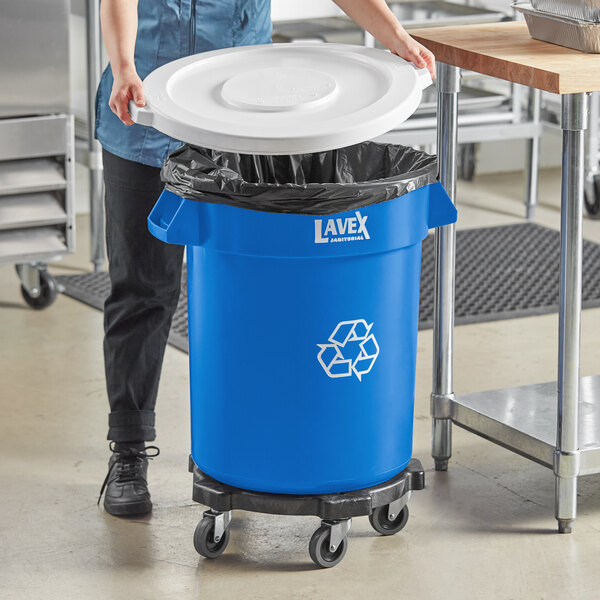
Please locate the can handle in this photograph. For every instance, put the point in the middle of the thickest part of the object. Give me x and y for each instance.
(441, 209)
(141, 115)
(176, 220)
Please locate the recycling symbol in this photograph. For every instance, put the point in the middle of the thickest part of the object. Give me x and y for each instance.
(352, 349)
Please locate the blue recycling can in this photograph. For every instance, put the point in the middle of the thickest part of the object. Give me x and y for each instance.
(302, 338)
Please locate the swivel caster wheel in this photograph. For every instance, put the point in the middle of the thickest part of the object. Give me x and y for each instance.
(39, 295)
(591, 198)
(386, 523)
(212, 534)
(329, 543)
(466, 161)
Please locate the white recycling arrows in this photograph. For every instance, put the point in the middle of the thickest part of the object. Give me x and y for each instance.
(353, 349)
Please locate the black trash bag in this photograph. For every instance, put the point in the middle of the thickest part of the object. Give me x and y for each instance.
(322, 183)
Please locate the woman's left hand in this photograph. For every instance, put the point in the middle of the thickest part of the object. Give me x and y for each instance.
(376, 17)
(409, 49)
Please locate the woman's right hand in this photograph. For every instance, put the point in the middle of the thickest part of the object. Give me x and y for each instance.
(127, 86)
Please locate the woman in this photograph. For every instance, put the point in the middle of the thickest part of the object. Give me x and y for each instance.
(145, 274)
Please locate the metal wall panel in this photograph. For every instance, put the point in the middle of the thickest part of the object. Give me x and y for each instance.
(34, 57)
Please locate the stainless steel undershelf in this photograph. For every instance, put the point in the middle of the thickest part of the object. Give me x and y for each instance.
(524, 420)
(31, 210)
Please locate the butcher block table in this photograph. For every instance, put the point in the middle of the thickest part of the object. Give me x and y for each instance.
(555, 424)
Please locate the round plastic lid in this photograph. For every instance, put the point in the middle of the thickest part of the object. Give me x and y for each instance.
(281, 98)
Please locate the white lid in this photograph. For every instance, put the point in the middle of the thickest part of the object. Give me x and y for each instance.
(281, 98)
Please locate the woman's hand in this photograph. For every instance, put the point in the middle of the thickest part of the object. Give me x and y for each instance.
(127, 86)
(409, 49)
(376, 17)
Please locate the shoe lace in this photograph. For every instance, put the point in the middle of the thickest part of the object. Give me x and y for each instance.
(129, 464)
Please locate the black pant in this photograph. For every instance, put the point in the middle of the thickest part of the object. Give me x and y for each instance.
(145, 277)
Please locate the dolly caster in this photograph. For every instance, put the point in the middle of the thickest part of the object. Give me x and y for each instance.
(329, 543)
(212, 534)
(391, 518)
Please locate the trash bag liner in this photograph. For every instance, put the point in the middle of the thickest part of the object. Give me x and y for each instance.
(322, 183)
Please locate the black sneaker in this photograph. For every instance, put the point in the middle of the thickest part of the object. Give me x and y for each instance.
(125, 483)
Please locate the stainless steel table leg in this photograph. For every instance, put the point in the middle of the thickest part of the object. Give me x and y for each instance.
(533, 155)
(94, 56)
(445, 240)
(566, 464)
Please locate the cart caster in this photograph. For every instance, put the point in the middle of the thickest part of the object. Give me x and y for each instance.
(386, 522)
(329, 543)
(466, 161)
(38, 288)
(591, 198)
(212, 534)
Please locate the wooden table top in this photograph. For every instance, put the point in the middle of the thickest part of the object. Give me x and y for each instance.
(506, 51)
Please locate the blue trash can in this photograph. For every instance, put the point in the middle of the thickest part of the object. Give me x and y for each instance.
(302, 338)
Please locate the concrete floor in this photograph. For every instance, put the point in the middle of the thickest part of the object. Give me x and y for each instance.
(485, 529)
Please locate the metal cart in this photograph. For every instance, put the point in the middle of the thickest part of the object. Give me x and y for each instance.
(511, 112)
(36, 144)
(551, 114)
(482, 117)
(541, 422)
(37, 222)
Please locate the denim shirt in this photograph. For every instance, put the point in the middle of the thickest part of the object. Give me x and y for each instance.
(167, 30)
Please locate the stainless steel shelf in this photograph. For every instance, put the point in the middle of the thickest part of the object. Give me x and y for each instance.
(32, 245)
(524, 420)
(31, 210)
(37, 175)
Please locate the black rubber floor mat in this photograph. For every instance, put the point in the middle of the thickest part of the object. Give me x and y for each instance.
(507, 272)
(503, 272)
